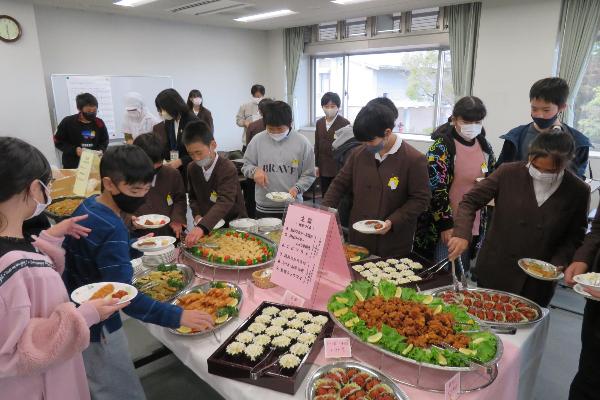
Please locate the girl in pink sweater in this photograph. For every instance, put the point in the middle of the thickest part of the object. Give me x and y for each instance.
(42, 334)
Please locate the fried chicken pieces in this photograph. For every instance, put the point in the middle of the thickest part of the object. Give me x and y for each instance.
(417, 322)
(209, 302)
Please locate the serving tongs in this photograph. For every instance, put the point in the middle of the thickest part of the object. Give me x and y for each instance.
(434, 269)
(501, 329)
(260, 368)
(472, 360)
(148, 286)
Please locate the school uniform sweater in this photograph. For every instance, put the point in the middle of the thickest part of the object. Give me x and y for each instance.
(104, 256)
(323, 145)
(288, 163)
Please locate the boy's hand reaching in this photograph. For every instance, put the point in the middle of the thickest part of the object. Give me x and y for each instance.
(177, 228)
(69, 227)
(196, 320)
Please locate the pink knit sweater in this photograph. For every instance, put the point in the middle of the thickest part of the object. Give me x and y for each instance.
(42, 334)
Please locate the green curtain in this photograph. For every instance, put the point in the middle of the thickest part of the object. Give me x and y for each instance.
(293, 41)
(463, 27)
(579, 25)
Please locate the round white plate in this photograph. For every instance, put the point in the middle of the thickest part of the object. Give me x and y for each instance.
(543, 264)
(279, 197)
(155, 219)
(83, 293)
(362, 227)
(579, 289)
(220, 224)
(157, 243)
(581, 279)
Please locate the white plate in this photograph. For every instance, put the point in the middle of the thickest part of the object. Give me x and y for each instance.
(279, 197)
(579, 289)
(220, 224)
(362, 227)
(160, 243)
(154, 218)
(585, 281)
(544, 264)
(83, 293)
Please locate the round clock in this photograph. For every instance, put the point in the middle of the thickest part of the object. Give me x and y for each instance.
(10, 29)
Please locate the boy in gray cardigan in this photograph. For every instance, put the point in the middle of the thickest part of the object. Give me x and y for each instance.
(279, 160)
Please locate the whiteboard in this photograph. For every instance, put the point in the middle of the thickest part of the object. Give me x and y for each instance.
(110, 90)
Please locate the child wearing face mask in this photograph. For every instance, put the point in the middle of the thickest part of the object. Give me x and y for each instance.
(83, 130)
(324, 132)
(547, 97)
(42, 334)
(458, 157)
(540, 212)
(215, 192)
(104, 256)
(196, 105)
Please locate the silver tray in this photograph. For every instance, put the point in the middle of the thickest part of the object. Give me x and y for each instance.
(517, 325)
(205, 287)
(188, 279)
(494, 361)
(214, 265)
(310, 392)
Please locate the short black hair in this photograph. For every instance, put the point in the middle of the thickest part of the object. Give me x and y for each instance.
(262, 105)
(278, 113)
(20, 165)
(197, 131)
(331, 97)
(85, 99)
(193, 93)
(552, 90)
(171, 101)
(151, 146)
(372, 121)
(385, 101)
(469, 108)
(257, 88)
(556, 144)
(126, 163)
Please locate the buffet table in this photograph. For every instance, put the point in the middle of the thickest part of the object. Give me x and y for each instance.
(516, 377)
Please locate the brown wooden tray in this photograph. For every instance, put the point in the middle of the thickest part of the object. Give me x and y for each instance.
(219, 363)
(442, 278)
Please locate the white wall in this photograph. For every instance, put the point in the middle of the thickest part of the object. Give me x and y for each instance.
(23, 104)
(222, 63)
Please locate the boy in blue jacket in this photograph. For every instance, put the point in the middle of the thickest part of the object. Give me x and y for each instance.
(548, 97)
(104, 256)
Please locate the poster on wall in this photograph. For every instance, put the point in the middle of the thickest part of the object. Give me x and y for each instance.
(100, 87)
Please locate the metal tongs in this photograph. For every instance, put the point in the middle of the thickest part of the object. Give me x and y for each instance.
(503, 330)
(259, 369)
(434, 269)
(472, 360)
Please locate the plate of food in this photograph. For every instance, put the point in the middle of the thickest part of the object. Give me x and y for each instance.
(590, 280)
(279, 197)
(580, 289)
(153, 243)
(540, 269)
(222, 300)
(165, 282)
(385, 317)
(232, 249)
(351, 380)
(494, 306)
(355, 253)
(104, 290)
(152, 221)
(369, 226)
(63, 207)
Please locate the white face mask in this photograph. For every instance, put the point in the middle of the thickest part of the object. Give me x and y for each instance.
(256, 100)
(330, 112)
(197, 101)
(165, 115)
(40, 207)
(544, 177)
(470, 131)
(205, 162)
(278, 136)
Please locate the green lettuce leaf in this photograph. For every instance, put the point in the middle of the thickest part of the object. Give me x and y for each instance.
(387, 289)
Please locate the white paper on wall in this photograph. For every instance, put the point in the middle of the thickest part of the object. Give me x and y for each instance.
(100, 87)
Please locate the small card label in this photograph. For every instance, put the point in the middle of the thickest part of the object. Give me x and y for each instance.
(452, 388)
(292, 299)
(338, 348)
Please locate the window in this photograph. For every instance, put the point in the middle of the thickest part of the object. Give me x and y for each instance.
(586, 108)
(390, 23)
(327, 31)
(418, 82)
(425, 19)
(356, 27)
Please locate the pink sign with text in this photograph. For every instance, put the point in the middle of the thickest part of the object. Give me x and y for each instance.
(338, 348)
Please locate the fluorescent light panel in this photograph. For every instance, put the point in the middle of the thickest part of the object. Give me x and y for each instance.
(267, 15)
(346, 2)
(132, 3)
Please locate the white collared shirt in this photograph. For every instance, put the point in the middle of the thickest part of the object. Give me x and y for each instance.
(208, 172)
(328, 124)
(393, 150)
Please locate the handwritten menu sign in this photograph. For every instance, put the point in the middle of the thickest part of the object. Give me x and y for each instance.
(86, 163)
(292, 299)
(310, 236)
(452, 388)
(338, 348)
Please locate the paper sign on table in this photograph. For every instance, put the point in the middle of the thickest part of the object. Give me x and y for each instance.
(452, 388)
(309, 238)
(88, 160)
(292, 299)
(338, 348)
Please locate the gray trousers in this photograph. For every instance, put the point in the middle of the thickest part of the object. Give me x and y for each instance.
(109, 369)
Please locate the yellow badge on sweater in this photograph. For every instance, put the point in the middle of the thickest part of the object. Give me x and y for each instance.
(295, 163)
(169, 200)
(213, 196)
(393, 182)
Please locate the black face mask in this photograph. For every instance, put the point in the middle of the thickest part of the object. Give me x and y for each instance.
(544, 123)
(128, 204)
(90, 116)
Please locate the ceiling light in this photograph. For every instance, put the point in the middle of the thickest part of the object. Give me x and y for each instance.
(267, 15)
(345, 2)
(132, 3)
